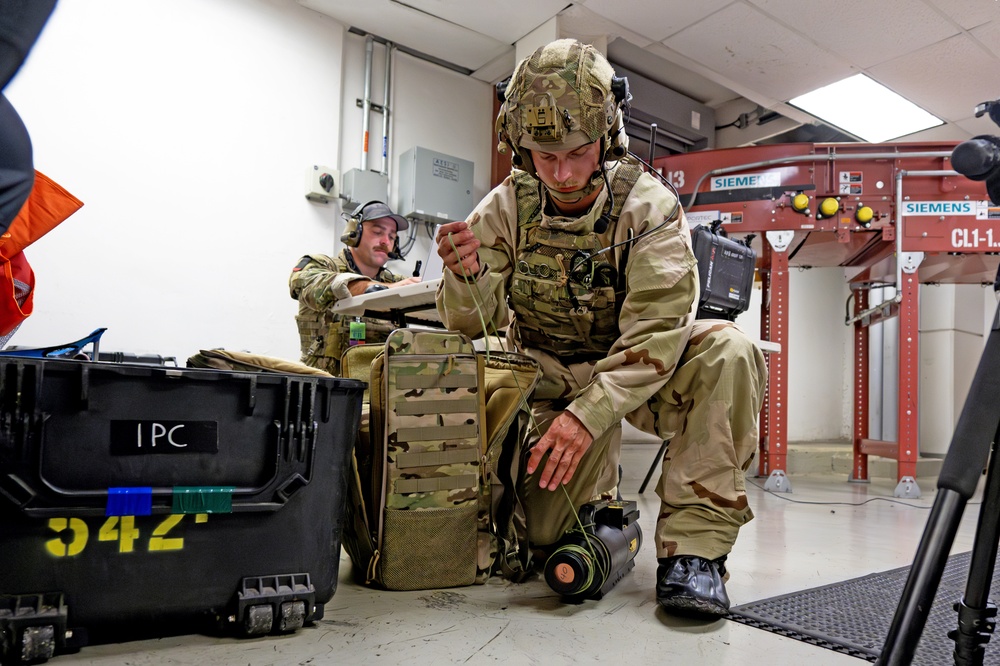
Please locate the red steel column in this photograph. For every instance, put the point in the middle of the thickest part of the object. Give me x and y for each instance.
(909, 372)
(774, 328)
(861, 335)
(763, 463)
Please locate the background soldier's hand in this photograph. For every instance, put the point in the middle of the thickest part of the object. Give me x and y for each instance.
(403, 283)
(358, 287)
(566, 441)
(465, 242)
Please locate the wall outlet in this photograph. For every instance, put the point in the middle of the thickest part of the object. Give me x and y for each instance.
(321, 184)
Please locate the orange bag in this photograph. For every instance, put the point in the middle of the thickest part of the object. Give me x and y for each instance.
(47, 206)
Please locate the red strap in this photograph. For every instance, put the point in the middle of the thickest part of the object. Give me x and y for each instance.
(16, 279)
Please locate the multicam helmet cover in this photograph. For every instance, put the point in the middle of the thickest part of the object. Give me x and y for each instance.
(563, 96)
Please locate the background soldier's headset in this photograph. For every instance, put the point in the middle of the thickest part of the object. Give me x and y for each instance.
(354, 228)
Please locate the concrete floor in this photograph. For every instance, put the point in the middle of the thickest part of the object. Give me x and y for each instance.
(825, 530)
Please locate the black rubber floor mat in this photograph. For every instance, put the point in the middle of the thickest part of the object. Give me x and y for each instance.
(853, 617)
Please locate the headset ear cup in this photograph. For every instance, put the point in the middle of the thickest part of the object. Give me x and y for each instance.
(617, 140)
(352, 233)
(619, 88)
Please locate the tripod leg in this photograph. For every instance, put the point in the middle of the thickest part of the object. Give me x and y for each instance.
(977, 427)
(976, 614)
(657, 461)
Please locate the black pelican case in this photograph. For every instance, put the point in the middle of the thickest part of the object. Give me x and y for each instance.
(133, 495)
(725, 269)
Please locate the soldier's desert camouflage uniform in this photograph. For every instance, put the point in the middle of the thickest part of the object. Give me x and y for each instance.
(699, 384)
(317, 282)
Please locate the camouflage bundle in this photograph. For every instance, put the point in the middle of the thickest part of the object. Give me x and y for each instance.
(222, 359)
(433, 498)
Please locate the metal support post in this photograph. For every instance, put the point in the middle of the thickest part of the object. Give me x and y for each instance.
(774, 327)
(909, 373)
(859, 470)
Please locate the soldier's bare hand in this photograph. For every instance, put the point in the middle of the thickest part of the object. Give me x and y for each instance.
(403, 283)
(463, 258)
(566, 442)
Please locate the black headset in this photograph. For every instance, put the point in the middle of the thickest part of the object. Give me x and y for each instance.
(354, 228)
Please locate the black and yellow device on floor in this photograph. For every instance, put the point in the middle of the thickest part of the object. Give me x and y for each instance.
(592, 557)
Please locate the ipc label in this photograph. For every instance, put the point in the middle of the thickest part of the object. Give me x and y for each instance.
(145, 437)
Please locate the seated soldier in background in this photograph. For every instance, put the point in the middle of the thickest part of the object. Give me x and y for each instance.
(319, 281)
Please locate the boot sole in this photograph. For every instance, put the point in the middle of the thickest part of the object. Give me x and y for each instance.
(691, 606)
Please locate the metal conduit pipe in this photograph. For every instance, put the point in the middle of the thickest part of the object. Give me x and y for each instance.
(367, 101)
(386, 106)
(898, 298)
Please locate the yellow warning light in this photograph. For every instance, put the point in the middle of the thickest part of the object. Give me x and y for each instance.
(828, 207)
(864, 216)
(800, 203)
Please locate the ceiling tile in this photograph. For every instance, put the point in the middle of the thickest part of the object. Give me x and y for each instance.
(578, 22)
(977, 126)
(946, 91)
(414, 29)
(863, 32)
(988, 35)
(673, 76)
(968, 13)
(490, 18)
(650, 19)
(781, 66)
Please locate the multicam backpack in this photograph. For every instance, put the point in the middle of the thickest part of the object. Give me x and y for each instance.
(433, 500)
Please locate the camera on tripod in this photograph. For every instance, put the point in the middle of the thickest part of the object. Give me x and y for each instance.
(979, 157)
(592, 557)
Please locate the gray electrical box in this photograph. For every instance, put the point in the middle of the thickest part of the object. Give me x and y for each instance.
(360, 187)
(434, 187)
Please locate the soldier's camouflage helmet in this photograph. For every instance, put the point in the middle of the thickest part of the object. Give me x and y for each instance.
(561, 97)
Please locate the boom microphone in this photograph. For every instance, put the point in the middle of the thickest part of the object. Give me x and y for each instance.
(602, 224)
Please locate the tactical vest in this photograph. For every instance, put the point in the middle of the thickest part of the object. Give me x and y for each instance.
(566, 300)
(324, 336)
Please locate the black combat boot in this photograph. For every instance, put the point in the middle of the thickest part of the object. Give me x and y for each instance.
(693, 586)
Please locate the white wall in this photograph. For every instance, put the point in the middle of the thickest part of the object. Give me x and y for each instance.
(186, 128)
(819, 379)
(952, 336)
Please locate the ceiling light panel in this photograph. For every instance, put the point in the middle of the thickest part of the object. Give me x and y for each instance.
(865, 108)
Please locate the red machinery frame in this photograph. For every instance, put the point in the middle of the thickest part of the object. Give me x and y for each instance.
(938, 224)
